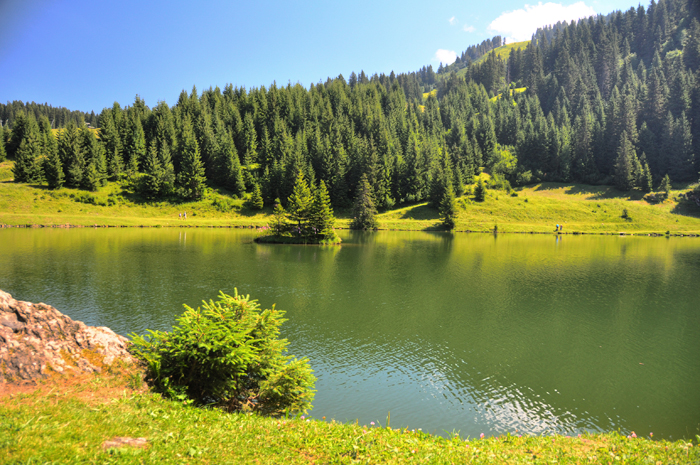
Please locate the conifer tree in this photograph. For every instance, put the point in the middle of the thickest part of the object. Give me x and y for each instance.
(448, 208)
(191, 177)
(646, 180)
(256, 199)
(321, 212)
(279, 223)
(480, 190)
(364, 211)
(152, 180)
(115, 166)
(25, 167)
(53, 170)
(299, 203)
(665, 186)
(71, 154)
(168, 174)
(624, 165)
(94, 171)
(3, 152)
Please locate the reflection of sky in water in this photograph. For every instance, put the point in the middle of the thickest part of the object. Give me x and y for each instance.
(527, 335)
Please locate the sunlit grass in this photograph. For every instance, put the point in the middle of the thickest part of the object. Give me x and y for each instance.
(579, 208)
(69, 422)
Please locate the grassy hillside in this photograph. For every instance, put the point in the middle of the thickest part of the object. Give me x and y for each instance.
(537, 208)
(502, 51)
(73, 420)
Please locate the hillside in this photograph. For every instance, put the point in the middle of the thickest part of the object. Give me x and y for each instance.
(537, 208)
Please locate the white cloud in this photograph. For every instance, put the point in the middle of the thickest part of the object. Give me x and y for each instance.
(519, 25)
(445, 56)
(452, 21)
(469, 28)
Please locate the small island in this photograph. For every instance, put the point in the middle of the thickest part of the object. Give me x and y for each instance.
(310, 216)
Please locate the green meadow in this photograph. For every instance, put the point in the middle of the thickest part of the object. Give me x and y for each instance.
(537, 208)
(74, 420)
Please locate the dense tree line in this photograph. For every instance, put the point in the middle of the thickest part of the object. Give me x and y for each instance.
(58, 116)
(609, 100)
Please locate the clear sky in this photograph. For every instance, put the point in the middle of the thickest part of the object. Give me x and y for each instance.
(84, 55)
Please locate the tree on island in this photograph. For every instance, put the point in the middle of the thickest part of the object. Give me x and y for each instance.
(299, 203)
(279, 222)
(364, 210)
(321, 218)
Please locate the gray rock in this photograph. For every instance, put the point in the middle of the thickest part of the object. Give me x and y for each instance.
(37, 339)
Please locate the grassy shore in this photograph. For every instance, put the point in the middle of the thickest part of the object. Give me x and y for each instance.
(536, 209)
(70, 420)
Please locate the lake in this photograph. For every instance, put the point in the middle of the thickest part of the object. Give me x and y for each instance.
(476, 333)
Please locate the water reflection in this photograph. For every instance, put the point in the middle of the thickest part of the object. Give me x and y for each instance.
(476, 333)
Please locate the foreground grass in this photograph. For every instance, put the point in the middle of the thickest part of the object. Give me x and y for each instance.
(580, 208)
(69, 420)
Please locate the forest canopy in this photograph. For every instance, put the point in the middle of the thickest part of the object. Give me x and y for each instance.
(606, 100)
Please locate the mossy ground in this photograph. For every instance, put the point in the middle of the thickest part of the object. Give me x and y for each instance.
(68, 420)
(579, 208)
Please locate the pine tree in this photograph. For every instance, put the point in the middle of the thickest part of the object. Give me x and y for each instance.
(279, 223)
(71, 155)
(53, 170)
(624, 165)
(665, 186)
(256, 199)
(191, 177)
(94, 170)
(448, 208)
(646, 181)
(321, 212)
(24, 169)
(152, 180)
(3, 152)
(364, 211)
(299, 203)
(480, 191)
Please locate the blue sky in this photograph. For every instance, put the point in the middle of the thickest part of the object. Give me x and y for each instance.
(86, 55)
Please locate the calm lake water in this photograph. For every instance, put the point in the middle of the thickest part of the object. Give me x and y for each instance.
(473, 333)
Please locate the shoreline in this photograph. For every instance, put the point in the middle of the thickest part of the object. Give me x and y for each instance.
(263, 227)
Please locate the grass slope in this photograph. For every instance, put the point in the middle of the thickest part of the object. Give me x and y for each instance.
(68, 420)
(579, 207)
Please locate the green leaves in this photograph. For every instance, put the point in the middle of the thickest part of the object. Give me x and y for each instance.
(228, 353)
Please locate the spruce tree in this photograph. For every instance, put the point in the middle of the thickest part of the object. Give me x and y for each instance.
(168, 172)
(665, 186)
(321, 214)
(480, 191)
(646, 180)
(152, 180)
(364, 211)
(25, 166)
(256, 199)
(448, 208)
(279, 223)
(3, 152)
(71, 155)
(191, 177)
(95, 170)
(53, 170)
(624, 171)
(299, 203)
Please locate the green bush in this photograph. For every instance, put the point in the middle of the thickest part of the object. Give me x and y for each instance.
(227, 353)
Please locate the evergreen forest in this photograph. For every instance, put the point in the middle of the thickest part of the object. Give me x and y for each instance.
(606, 100)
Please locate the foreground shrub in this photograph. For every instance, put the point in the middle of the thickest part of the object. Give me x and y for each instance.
(228, 353)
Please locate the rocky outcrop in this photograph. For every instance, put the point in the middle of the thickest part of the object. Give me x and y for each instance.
(37, 340)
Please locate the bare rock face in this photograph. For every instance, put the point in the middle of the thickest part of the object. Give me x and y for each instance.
(37, 339)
